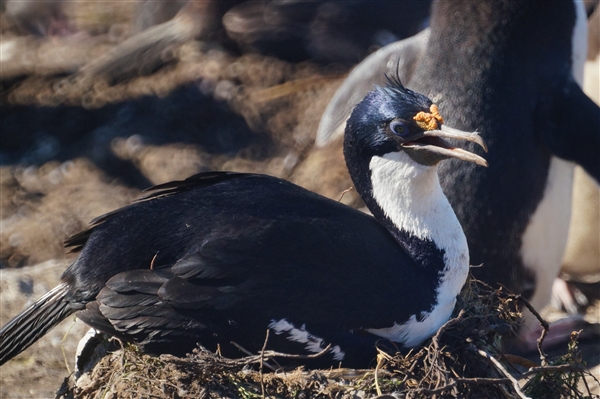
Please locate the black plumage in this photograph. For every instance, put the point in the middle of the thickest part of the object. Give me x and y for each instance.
(219, 265)
(221, 257)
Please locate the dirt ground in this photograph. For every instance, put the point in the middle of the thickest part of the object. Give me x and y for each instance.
(72, 150)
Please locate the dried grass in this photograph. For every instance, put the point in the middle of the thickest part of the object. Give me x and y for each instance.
(462, 360)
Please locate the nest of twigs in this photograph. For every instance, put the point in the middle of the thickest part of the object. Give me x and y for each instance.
(462, 360)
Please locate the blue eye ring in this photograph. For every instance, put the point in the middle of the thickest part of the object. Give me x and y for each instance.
(399, 128)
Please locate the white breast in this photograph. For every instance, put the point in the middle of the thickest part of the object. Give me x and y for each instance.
(411, 197)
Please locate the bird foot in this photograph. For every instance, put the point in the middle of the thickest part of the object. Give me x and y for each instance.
(559, 332)
(568, 297)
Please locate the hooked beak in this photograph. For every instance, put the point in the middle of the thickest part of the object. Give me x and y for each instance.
(431, 147)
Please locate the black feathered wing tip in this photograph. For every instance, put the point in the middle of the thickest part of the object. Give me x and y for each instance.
(199, 180)
(77, 241)
(29, 326)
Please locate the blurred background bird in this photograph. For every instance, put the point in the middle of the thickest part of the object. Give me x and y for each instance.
(516, 214)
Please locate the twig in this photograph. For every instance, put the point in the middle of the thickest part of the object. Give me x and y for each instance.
(444, 327)
(502, 370)
(62, 348)
(270, 354)
(543, 323)
(344, 193)
(587, 387)
(436, 341)
(551, 369)
(454, 382)
(252, 358)
(380, 360)
(262, 353)
(241, 348)
(412, 367)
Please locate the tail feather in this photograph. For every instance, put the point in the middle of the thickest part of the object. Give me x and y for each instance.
(30, 325)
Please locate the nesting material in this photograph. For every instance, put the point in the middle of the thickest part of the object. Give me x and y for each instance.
(462, 360)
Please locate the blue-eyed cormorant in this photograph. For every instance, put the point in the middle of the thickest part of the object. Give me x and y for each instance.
(510, 70)
(221, 257)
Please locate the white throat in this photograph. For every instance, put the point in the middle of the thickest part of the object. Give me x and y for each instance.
(410, 195)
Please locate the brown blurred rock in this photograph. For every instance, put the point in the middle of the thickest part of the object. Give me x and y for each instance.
(43, 206)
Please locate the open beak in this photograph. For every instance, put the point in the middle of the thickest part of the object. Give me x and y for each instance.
(432, 142)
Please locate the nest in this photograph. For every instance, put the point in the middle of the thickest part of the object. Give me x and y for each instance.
(462, 360)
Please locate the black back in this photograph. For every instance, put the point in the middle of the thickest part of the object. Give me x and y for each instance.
(197, 264)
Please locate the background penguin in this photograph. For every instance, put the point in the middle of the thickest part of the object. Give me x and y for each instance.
(223, 257)
(580, 272)
(508, 70)
(326, 31)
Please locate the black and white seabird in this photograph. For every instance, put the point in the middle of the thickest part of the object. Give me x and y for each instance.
(510, 70)
(221, 257)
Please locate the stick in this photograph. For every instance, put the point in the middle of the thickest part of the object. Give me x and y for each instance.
(269, 354)
(502, 370)
(436, 341)
(252, 358)
(454, 382)
(62, 348)
(380, 360)
(344, 193)
(241, 348)
(550, 369)
(544, 324)
(262, 353)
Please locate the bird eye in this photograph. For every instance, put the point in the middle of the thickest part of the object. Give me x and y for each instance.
(398, 128)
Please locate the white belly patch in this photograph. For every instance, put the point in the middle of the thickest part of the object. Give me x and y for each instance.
(313, 343)
(545, 238)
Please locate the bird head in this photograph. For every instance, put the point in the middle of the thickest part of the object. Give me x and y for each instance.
(394, 118)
